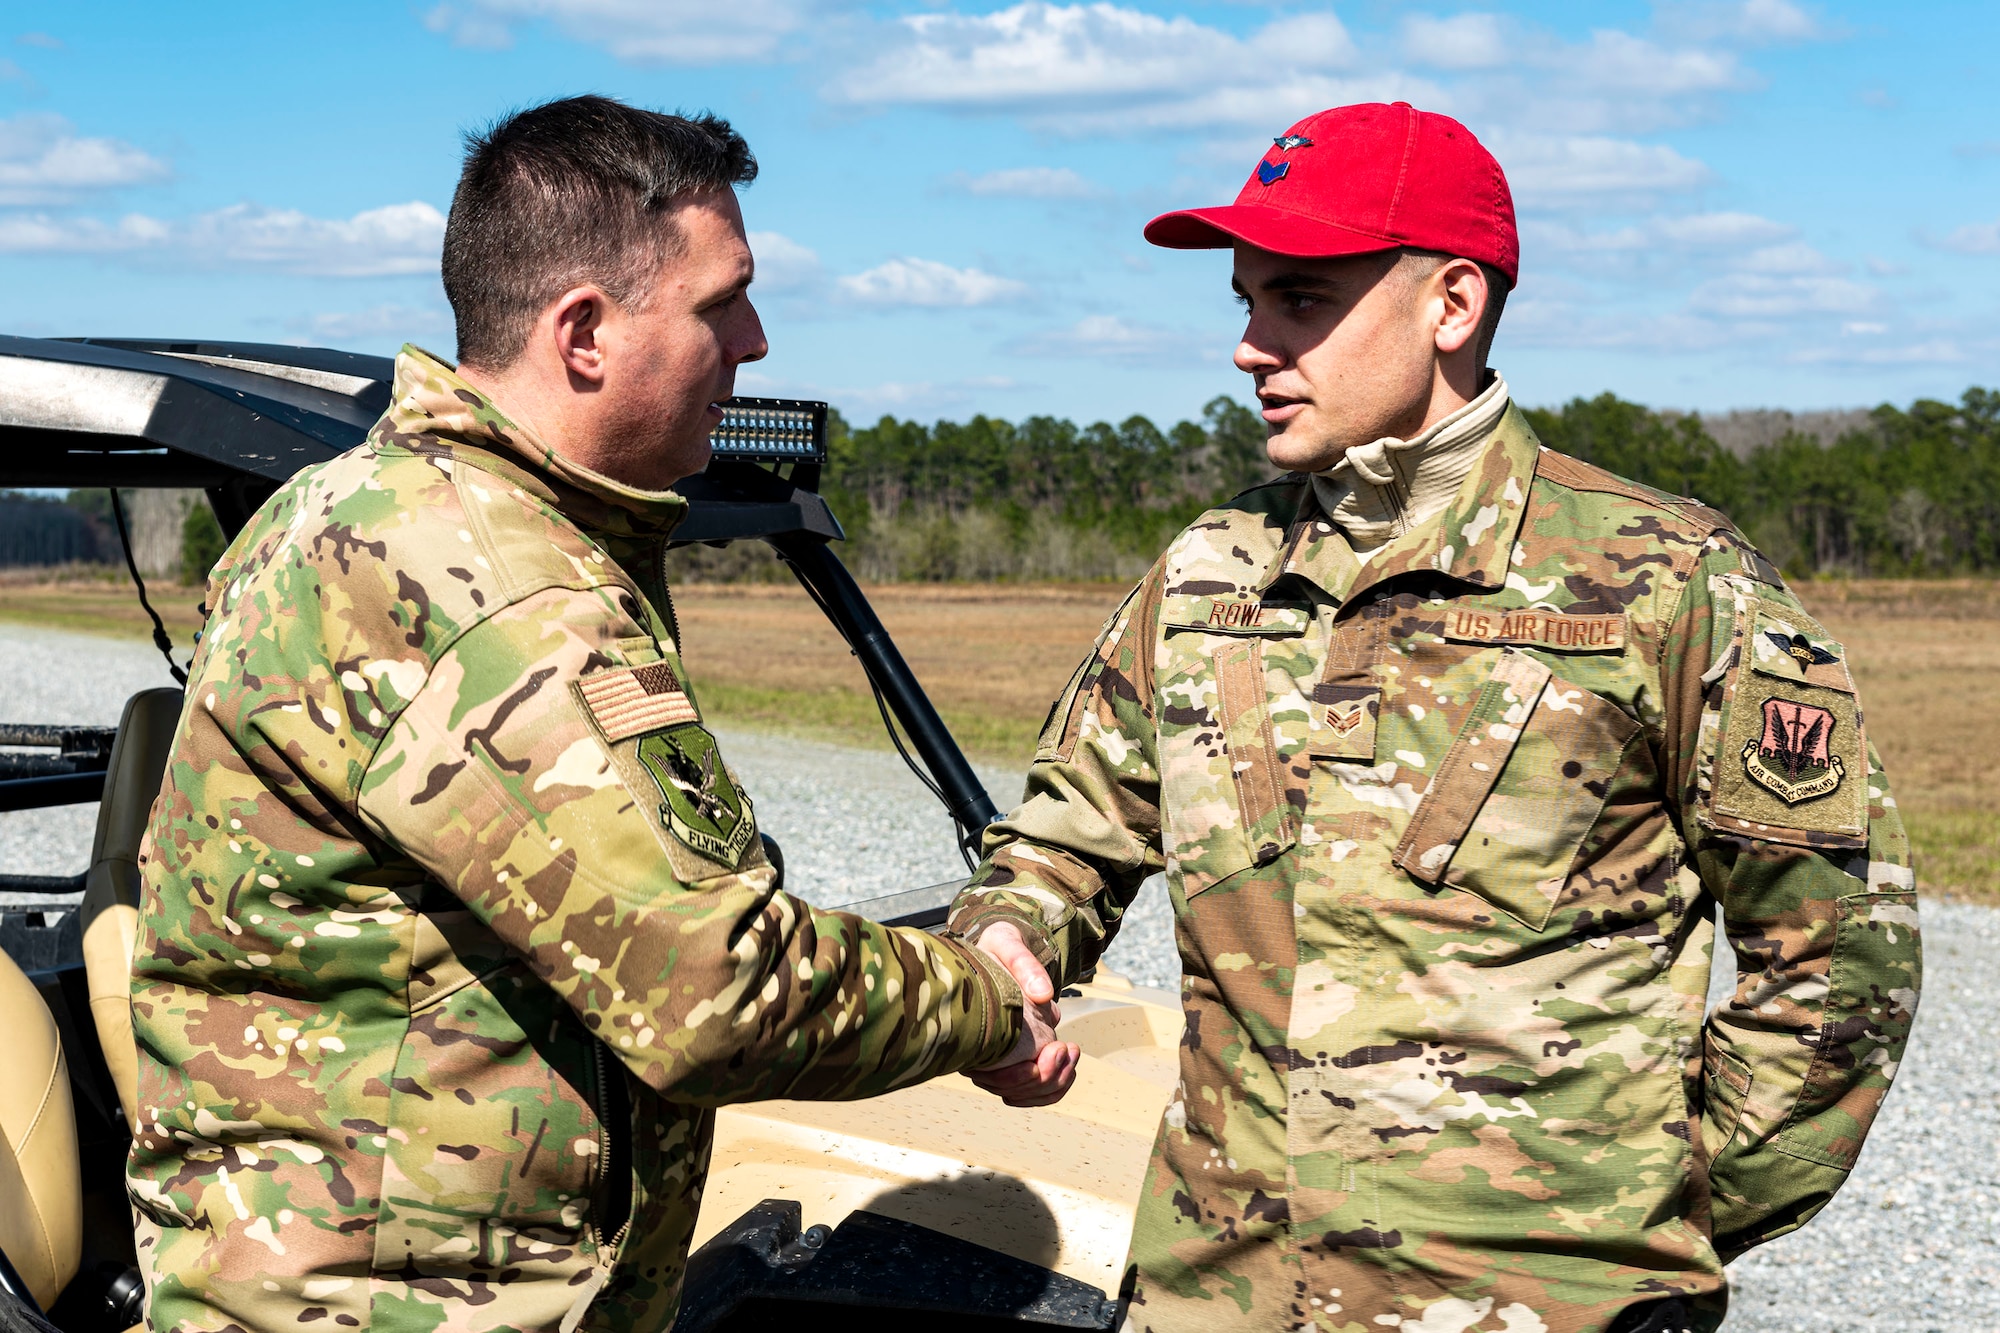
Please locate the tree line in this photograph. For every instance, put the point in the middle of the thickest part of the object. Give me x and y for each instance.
(1914, 492)
(1901, 491)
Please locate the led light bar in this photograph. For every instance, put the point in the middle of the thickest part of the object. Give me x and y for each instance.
(777, 430)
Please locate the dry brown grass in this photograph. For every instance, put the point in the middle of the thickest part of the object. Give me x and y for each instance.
(1927, 655)
(1927, 659)
(97, 601)
(991, 658)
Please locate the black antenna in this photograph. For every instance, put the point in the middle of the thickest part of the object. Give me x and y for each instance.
(160, 639)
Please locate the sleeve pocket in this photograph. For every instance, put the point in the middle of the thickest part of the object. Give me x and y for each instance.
(1871, 1001)
(1724, 1091)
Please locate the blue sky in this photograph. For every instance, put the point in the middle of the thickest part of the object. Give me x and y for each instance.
(1728, 204)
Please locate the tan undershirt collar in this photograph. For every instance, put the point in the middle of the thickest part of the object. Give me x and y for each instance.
(1380, 490)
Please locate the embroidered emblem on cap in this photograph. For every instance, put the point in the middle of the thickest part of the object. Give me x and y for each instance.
(1272, 172)
(1792, 756)
(1287, 142)
(1801, 649)
(630, 702)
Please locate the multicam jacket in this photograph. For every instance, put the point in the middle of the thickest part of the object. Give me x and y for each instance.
(1444, 833)
(455, 926)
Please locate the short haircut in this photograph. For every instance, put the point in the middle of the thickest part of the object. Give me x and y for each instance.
(575, 191)
(1497, 287)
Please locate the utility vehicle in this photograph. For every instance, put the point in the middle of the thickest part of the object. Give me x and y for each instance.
(932, 1207)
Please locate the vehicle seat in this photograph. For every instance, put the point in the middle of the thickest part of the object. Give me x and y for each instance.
(110, 910)
(41, 1193)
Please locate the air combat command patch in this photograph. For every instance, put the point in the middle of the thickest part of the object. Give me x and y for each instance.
(699, 804)
(1793, 756)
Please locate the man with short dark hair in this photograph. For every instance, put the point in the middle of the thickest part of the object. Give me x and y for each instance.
(1449, 746)
(456, 926)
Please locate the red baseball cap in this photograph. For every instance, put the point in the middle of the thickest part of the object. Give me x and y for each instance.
(1357, 179)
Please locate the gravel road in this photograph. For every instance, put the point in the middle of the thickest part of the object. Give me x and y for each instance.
(1911, 1245)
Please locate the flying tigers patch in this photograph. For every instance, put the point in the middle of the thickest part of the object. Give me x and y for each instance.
(699, 804)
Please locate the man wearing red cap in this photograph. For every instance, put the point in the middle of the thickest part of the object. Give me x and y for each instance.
(1449, 747)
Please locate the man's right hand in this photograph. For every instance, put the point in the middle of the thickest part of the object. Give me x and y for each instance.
(1040, 1068)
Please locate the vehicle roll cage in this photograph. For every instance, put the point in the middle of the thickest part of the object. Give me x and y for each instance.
(237, 420)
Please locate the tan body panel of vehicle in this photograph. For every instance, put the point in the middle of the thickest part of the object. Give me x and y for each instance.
(1056, 1186)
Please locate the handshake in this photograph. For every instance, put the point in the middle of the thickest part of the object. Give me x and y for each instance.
(1040, 1068)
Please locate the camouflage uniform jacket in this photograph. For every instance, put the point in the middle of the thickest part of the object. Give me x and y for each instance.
(1444, 832)
(455, 927)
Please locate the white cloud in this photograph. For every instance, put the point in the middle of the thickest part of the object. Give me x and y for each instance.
(644, 32)
(1975, 238)
(1928, 352)
(1743, 20)
(388, 320)
(783, 265)
(44, 161)
(1686, 233)
(1780, 296)
(1034, 52)
(1029, 183)
(40, 39)
(397, 239)
(1555, 171)
(918, 397)
(40, 233)
(1705, 230)
(1464, 41)
(1087, 69)
(926, 282)
(1109, 338)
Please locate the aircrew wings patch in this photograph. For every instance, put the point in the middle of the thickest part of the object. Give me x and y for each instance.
(631, 701)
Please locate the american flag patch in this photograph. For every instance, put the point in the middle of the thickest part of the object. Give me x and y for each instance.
(635, 700)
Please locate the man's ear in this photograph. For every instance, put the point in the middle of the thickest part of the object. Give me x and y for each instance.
(1460, 287)
(575, 323)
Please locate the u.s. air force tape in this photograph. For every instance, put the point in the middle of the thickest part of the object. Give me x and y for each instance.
(1559, 630)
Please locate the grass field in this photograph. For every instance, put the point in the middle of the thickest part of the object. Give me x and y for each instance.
(992, 658)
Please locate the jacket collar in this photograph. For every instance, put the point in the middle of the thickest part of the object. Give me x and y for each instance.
(1472, 540)
(434, 411)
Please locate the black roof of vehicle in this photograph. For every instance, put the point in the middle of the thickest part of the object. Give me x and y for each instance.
(131, 412)
(239, 419)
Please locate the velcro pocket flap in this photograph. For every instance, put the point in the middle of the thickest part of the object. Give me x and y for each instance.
(1270, 822)
(1471, 766)
(1793, 764)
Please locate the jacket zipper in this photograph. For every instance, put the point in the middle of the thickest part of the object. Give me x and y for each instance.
(614, 1132)
(667, 597)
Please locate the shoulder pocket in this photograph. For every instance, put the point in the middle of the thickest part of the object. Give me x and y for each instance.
(1792, 763)
(1523, 782)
